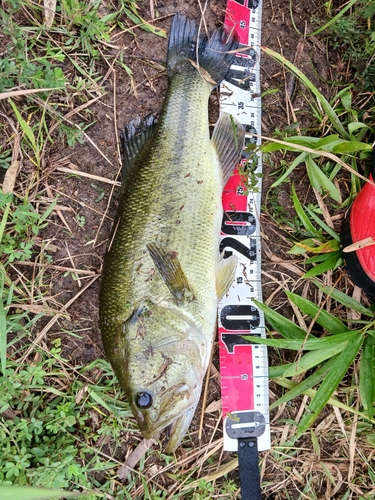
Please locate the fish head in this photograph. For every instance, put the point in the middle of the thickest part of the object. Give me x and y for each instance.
(163, 373)
(170, 410)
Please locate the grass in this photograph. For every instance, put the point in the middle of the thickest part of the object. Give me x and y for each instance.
(64, 422)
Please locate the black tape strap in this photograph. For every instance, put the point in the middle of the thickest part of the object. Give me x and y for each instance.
(249, 469)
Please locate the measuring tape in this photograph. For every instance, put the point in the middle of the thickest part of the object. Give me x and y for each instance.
(243, 364)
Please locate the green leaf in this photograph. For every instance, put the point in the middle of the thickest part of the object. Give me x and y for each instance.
(323, 225)
(334, 19)
(318, 258)
(302, 215)
(306, 384)
(320, 181)
(4, 220)
(3, 328)
(332, 262)
(353, 126)
(328, 142)
(27, 130)
(299, 159)
(329, 384)
(289, 384)
(314, 344)
(277, 371)
(137, 20)
(332, 115)
(298, 140)
(30, 493)
(351, 147)
(344, 299)
(314, 358)
(322, 317)
(284, 326)
(311, 172)
(367, 375)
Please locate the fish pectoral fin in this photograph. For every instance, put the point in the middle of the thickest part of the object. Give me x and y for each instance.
(228, 139)
(225, 274)
(171, 271)
(134, 136)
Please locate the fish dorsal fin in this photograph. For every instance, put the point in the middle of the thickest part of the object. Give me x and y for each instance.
(171, 271)
(225, 274)
(134, 136)
(228, 139)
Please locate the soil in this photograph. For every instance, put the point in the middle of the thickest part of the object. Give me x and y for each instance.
(80, 233)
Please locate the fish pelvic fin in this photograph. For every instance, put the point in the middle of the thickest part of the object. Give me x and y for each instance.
(228, 139)
(134, 136)
(225, 274)
(187, 49)
(169, 267)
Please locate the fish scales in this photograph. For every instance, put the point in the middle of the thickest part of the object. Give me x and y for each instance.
(161, 272)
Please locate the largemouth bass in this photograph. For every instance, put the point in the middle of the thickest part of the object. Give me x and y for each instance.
(162, 274)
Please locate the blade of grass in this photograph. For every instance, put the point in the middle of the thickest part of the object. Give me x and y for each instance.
(329, 264)
(31, 493)
(27, 130)
(283, 325)
(323, 183)
(313, 358)
(306, 384)
(344, 299)
(323, 225)
(289, 384)
(339, 340)
(367, 375)
(329, 385)
(3, 328)
(334, 19)
(318, 258)
(292, 147)
(302, 215)
(324, 318)
(299, 159)
(334, 119)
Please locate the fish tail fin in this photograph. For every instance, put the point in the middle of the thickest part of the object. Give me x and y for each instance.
(186, 49)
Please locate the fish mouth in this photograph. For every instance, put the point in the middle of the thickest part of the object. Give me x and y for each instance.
(174, 425)
(177, 430)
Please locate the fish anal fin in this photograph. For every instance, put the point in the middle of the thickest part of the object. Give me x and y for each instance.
(228, 139)
(168, 265)
(225, 274)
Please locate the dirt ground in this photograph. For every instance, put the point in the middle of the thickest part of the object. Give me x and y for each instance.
(80, 231)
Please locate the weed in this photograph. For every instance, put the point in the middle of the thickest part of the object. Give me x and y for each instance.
(332, 355)
(327, 252)
(80, 220)
(353, 36)
(45, 440)
(251, 178)
(23, 67)
(348, 141)
(20, 226)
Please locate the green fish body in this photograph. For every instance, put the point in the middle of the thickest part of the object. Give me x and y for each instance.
(162, 274)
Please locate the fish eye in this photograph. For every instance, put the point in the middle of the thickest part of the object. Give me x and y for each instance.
(143, 399)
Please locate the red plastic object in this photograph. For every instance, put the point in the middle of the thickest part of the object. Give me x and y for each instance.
(360, 224)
